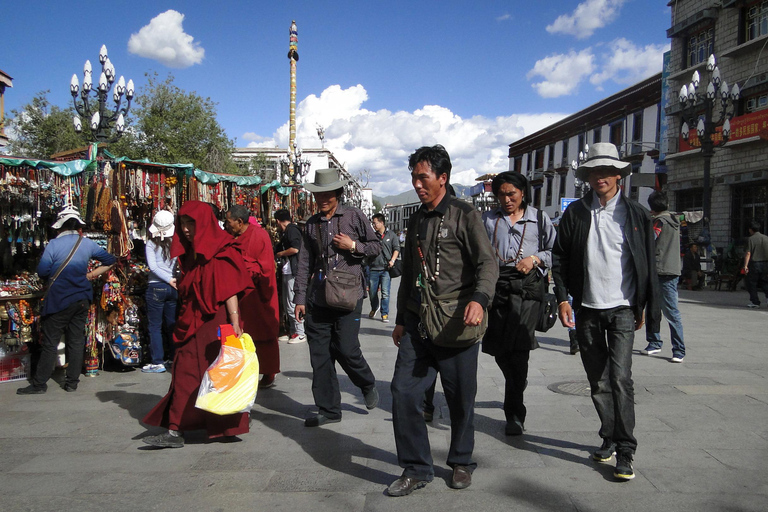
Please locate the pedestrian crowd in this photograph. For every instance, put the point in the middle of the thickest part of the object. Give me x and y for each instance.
(469, 282)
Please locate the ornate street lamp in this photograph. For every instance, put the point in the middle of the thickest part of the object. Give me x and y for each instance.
(579, 185)
(717, 101)
(107, 123)
(294, 167)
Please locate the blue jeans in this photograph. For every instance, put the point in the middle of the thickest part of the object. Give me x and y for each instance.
(380, 277)
(605, 342)
(672, 314)
(161, 311)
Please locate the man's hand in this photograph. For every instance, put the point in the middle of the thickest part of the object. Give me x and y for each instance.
(342, 241)
(397, 334)
(525, 265)
(565, 313)
(473, 314)
(299, 311)
(639, 320)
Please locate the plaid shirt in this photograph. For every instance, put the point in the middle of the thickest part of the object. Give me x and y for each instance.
(349, 221)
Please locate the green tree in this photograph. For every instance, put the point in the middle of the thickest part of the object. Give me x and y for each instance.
(40, 129)
(377, 208)
(175, 126)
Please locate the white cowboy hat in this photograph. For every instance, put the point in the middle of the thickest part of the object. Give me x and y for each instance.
(601, 155)
(162, 224)
(325, 181)
(69, 212)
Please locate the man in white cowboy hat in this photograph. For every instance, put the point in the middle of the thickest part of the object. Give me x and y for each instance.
(604, 256)
(65, 308)
(335, 239)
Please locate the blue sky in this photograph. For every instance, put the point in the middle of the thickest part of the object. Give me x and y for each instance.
(382, 77)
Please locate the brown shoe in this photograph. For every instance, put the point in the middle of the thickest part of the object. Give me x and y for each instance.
(462, 478)
(405, 485)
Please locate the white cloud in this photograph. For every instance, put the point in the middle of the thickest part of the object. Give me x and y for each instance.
(381, 141)
(165, 41)
(586, 18)
(562, 72)
(504, 17)
(627, 63)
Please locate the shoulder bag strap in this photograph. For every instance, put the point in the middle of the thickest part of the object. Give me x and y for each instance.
(540, 223)
(63, 265)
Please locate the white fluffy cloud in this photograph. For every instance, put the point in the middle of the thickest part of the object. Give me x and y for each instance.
(562, 72)
(586, 18)
(621, 61)
(381, 141)
(627, 63)
(165, 41)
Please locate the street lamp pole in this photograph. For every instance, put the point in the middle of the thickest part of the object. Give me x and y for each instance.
(692, 101)
(101, 118)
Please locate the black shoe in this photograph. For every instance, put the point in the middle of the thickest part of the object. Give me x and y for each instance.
(165, 440)
(318, 420)
(405, 485)
(30, 390)
(371, 398)
(605, 452)
(574, 342)
(70, 388)
(624, 470)
(461, 478)
(514, 428)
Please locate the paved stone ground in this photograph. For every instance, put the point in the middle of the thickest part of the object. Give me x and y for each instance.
(702, 428)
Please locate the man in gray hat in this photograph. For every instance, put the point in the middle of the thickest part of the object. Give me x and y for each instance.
(335, 240)
(604, 256)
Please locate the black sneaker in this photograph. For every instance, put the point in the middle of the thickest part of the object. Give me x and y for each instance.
(30, 390)
(371, 398)
(605, 452)
(165, 440)
(624, 470)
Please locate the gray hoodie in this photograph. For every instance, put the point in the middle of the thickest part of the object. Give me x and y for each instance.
(667, 229)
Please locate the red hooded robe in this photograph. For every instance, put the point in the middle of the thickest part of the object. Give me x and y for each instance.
(212, 271)
(260, 309)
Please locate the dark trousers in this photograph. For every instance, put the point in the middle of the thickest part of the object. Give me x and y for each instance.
(514, 366)
(605, 342)
(332, 337)
(757, 280)
(417, 365)
(71, 323)
(161, 312)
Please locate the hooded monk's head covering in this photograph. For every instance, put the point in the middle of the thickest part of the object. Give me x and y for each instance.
(209, 237)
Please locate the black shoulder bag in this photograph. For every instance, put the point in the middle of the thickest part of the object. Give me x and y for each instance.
(341, 288)
(548, 308)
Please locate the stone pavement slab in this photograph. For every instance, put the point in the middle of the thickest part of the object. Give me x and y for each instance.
(702, 429)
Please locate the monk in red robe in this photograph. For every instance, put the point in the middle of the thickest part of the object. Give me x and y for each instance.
(213, 278)
(260, 308)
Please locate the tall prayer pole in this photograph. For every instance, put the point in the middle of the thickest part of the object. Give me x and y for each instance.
(293, 56)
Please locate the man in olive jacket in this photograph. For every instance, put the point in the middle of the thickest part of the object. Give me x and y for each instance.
(604, 256)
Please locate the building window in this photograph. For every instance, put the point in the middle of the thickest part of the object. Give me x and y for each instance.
(550, 182)
(617, 136)
(700, 46)
(596, 135)
(561, 191)
(756, 103)
(539, 159)
(757, 20)
(637, 133)
(537, 197)
(551, 157)
(582, 142)
(565, 153)
(518, 163)
(688, 200)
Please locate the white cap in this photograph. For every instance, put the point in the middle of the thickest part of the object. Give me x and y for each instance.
(162, 225)
(70, 212)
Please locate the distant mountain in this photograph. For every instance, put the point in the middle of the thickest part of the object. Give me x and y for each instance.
(410, 196)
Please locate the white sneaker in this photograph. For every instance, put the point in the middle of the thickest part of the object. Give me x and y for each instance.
(753, 306)
(297, 338)
(677, 359)
(284, 338)
(649, 351)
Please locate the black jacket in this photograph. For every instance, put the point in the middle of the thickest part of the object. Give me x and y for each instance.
(569, 256)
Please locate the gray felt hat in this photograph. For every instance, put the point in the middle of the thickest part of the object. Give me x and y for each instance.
(600, 155)
(325, 181)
